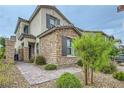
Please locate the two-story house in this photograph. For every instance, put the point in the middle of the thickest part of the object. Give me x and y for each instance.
(47, 32)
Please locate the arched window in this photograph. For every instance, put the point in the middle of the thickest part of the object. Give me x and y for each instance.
(26, 29)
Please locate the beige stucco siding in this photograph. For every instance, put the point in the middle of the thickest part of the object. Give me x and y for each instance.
(35, 25)
(19, 32)
(52, 12)
(38, 24)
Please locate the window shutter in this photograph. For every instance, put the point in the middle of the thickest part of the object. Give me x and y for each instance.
(47, 21)
(64, 46)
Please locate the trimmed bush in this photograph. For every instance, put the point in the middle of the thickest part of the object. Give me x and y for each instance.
(31, 60)
(50, 67)
(40, 60)
(80, 63)
(109, 69)
(119, 76)
(68, 80)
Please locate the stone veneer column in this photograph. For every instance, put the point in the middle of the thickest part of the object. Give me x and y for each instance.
(26, 54)
(20, 54)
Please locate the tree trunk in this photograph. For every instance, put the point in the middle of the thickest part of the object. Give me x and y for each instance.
(91, 76)
(88, 72)
(86, 78)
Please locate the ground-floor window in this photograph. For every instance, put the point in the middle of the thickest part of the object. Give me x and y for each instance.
(67, 48)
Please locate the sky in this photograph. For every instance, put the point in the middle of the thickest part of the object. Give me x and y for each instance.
(94, 17)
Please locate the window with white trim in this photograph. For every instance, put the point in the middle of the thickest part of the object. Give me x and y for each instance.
(67, 48)
(70, 50)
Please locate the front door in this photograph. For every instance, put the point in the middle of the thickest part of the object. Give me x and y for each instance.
(31, 50)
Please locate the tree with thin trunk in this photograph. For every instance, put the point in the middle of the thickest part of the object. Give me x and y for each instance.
(94, 50)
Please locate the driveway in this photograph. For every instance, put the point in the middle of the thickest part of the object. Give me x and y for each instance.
(35, 75)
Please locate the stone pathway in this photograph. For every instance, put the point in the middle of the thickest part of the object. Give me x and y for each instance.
(35, 75)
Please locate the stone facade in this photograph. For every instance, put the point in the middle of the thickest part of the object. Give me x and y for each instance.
(20, 54)
(51, 46)
(48, 46)
(26, 54)
(9, 50)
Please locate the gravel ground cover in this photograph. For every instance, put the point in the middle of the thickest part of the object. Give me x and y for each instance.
(35, 75)
(100, 81)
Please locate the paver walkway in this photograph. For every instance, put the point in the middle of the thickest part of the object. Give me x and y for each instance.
(35, 75)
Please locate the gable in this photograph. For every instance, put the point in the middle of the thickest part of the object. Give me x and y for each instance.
(49, 9)
(52, 12)
(20, 20)
(38, 21)
(63, 28)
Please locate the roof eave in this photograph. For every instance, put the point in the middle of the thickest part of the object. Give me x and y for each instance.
(47, 6)
(18, 22)
(56, 28)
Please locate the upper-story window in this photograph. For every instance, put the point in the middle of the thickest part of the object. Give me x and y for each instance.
(26, 29)
(51, 21)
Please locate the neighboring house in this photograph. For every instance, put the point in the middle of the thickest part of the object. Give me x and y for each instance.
(47, 32)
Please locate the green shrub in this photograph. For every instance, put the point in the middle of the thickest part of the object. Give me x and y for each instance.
(68, 80)
(119, 75)
(40, 60)
(80, 63)
(50, 67)
(31, 60)
(109, 69)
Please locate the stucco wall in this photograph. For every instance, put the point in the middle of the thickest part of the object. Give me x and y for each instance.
(35, 25)
(52, 12)
(19, 32)
(38, 24)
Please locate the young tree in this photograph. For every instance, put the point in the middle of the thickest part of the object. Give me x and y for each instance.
(94, 51)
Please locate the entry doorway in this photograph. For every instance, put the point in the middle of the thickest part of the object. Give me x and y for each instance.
(31, 50)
